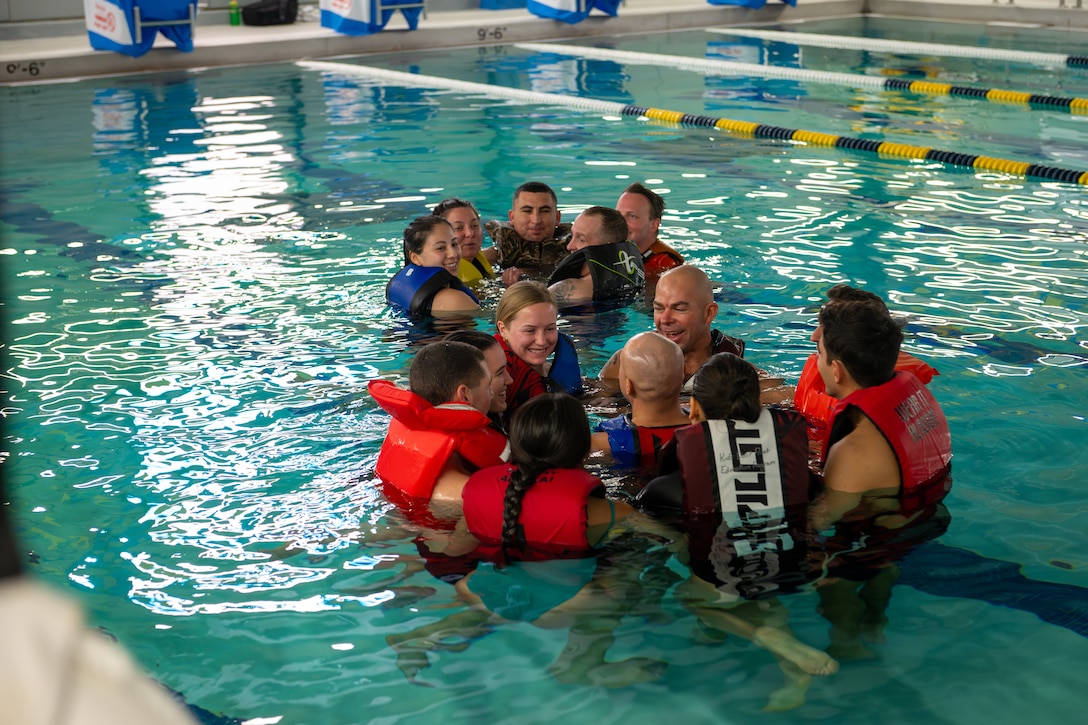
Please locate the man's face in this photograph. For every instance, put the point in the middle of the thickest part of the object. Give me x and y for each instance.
(823, 363)
(534, 216)
(479, 396)
(584, 232)
(679, 316)
(641, 229)
(495, 359)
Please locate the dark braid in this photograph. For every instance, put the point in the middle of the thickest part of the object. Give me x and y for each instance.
(521, 480)
(549, 431)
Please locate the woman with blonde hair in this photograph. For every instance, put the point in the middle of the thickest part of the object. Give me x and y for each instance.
(526, 319)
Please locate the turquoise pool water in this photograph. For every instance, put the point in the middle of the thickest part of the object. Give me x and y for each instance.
(194, 267)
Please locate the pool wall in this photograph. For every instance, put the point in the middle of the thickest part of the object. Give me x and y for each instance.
(28, 57)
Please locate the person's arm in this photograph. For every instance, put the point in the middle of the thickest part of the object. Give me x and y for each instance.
(577, 289)
(451, 482)
(861, 462)
(599, 445)
(774, 391)
(623, 517)
(491, 254)
(452, 300)
(510, 275)
(611, 369)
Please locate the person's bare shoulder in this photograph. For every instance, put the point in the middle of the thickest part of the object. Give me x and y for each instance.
(452, 300)
(862, 462)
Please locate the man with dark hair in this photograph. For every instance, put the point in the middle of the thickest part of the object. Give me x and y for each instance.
(451, 372)
(602, 265)
(440, 432)
(886, 465)
(888, 444)
(643, 209)
(532, 240)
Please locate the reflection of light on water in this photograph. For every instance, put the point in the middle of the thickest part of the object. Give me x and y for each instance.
(233, 169)
(1004, 371)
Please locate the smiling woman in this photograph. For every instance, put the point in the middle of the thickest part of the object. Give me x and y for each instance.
(428, 283)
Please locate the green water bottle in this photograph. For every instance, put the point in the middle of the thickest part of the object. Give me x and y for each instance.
(235, 13)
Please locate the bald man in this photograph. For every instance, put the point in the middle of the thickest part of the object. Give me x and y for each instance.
(651, 373)
(684, 309)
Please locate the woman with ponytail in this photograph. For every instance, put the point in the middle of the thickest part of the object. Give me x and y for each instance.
(538, 520)
(542, 500)
(736, 454)
(738, 481)
(427, 285)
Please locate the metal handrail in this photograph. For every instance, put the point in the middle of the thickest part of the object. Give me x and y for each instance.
(140, 23)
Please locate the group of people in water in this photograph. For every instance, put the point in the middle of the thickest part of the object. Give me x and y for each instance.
(491, 441)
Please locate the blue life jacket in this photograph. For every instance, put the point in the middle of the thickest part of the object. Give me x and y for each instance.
(414, 287)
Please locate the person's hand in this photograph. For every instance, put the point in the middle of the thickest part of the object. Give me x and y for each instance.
(510, 275)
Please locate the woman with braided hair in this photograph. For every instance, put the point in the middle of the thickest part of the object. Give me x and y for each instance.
(547, 514)
(737, 481)
(542, 501)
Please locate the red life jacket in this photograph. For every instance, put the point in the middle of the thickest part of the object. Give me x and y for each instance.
(660, 258)
(553, 511)
(909, 417)
(811, 399)
(422, 437)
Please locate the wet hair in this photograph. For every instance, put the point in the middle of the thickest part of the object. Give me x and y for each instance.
(657, 204)
(520, 295)
(859, 331)
(613, 225)
(416, 233)
(549, 431)
(440, 367)
(447, 205)
(534, 187)
(727, 388)
(479, 340)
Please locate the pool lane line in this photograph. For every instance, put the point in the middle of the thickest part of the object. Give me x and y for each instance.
(849, 42)
(739, 128)
(853, 80)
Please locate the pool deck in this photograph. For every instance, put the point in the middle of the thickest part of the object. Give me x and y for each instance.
(33, 53)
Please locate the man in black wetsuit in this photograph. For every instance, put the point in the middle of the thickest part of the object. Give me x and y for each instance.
(602, 265)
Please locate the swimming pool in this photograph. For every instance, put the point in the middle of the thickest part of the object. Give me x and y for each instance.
(195, 266)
